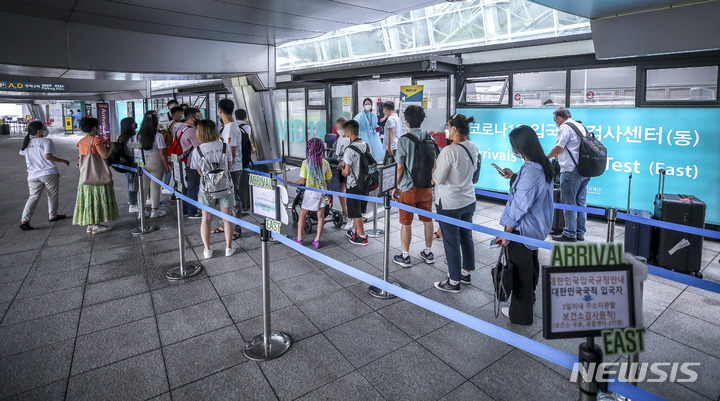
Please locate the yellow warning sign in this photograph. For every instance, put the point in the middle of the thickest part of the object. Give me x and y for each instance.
(347, 101)
(68, 123)
(425, 103)
(411, 93)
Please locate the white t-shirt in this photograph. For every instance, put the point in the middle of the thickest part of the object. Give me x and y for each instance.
(37, 164)
(570, 141)
(175, 126)
(233, 137)
(352, 158)
(341, 144)
(393, 121)
(158, 143)
(245, 126)
(213, 154)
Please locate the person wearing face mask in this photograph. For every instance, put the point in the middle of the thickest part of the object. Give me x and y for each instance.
(42, 173)
(368, 122)
(455, 197)
(528, 212)
(340, 145)
(188, 142)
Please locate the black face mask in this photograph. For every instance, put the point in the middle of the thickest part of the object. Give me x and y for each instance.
(196, 122)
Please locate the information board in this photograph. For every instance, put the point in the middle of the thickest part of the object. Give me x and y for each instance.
(68, 123)
(265, 197)
(388, 178)
(683, 141)
(104, 118)
(31, 86)
(582, 301)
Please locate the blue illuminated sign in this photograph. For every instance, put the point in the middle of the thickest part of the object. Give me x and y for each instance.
(31, 87)
(683, 141)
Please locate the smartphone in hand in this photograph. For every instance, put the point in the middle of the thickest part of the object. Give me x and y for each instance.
(499, 170)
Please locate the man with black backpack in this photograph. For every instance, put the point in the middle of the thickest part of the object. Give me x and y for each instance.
(241, 116)
(356, 167)
(415, 157)
(573, 186)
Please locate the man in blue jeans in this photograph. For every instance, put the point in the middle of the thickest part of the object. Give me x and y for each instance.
(573, 186)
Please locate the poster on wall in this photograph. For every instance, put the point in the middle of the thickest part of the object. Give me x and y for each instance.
(410, 95)
(88, 110)
(527, 99)
(641, 141)
(104, 118)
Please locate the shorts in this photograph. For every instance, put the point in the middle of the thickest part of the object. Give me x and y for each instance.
(312, 201)
(420, 198)
(355, 208)
(225, 202)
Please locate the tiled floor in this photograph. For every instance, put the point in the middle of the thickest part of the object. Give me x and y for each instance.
(93, 318)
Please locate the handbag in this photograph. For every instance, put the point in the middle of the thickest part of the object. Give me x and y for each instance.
(93, 169)
(502, 278)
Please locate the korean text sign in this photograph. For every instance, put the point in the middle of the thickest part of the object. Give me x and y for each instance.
(641, 141)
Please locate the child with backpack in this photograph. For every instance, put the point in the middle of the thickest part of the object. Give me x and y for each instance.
(314, 173)
(212, 160)
(360, 168)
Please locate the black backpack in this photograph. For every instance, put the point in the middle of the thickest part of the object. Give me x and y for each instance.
(246, 147)
(426, 151)
(592, 157)
(369, 177)
(120, 156)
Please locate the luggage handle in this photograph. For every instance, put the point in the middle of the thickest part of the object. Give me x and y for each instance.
(661, 183)
(629, 186)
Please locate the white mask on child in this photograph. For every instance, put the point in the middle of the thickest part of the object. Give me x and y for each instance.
(341, 132)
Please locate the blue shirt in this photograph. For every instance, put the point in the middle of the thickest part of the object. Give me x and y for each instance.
(529, 208)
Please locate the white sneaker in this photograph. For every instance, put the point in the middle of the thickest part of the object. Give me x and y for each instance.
(148, 202)
(229, 251)
(133, 209)
(166, 192)
(157, 213)
(99, 229)
(147, 214)
(207, 254)
(89, 229)
(505, 310)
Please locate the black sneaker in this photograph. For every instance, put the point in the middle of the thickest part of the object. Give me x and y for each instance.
(562, 238)
(195, 216)
(429, 258)
(464, 279)
(446, 286)
(404, 262)
(358, 240)
(350, 232)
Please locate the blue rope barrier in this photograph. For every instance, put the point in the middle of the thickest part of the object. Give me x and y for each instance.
(684, 279)
(268, 161)
(670, 226)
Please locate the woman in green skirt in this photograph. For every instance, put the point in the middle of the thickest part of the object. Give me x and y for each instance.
(95, 204)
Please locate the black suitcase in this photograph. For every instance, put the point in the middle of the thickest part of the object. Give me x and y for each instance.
(677, 250)
(558, 216)
(638, 237)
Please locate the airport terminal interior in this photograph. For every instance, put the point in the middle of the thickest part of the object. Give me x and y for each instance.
(164, 167)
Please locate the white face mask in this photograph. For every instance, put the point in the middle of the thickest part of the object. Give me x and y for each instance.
(447, 133)
(341, 132)
(368, 107)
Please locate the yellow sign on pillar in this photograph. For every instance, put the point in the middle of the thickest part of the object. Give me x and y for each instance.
(68, 123)
(425, 103)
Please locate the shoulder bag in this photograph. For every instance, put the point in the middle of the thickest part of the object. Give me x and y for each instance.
(502, 278)
(93, 169)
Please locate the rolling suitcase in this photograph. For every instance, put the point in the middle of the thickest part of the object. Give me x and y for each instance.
(638, 237)
(558, 215)
(678, 250)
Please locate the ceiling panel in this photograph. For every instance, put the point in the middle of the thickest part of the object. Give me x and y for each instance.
(350, 13)
(604, 8)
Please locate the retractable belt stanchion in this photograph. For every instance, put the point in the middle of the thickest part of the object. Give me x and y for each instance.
(184, 270)
(375, 232)
(143, 229)
(591, 356)
(269, 344)
(374, 291)
(611, 215)
(284, 175)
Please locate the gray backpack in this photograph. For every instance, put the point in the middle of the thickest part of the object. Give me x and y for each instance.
(216, 179)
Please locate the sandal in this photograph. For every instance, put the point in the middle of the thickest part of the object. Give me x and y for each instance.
(235, 235)
(25, 226)
(217, 230)
(58, 217)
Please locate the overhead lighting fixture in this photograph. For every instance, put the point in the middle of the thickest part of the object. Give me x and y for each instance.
(376, 77)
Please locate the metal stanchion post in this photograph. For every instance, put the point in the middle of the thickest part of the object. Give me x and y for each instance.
(611, 215)
(143, 229)
(374, 291)
(590, 357)
(182, 271)
(375, 232)
(284, 175)
(269, 344)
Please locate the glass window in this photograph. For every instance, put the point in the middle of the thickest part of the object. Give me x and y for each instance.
(316, 97)
(341, 102)
(316, 125)
(539, 89)
(693, 84)
(280, 109)
(435, 98)
(367, 43)
(488, 90)
(603, 87)
(296, 122)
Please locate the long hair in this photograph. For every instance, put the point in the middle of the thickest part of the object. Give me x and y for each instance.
(32, 129)
(525, 142)
(148, 130)
(127, 129)
(315, 151)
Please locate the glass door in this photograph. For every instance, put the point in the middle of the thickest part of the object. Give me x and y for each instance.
(435, 103)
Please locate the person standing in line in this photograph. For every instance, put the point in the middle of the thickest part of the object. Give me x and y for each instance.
(95, 204)
(154, 152)
(455, 197)
(172, 103)
(528, 212)
(127, 133)
(248, 149)
(231, 135)
(411, 193)
(188, 142)
(40, 161)
(368, 123)
(340, 145)
(393, 131)
(350, 167)
(573, 186)
(176, 116)
(314, 173)
(215, 153)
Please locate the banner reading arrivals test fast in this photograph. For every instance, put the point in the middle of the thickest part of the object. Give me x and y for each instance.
(683, 141)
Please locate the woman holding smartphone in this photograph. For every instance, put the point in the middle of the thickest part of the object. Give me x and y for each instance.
(528, 212)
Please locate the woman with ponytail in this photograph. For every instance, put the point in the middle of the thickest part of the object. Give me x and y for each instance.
(42, 172)
(314, 173)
